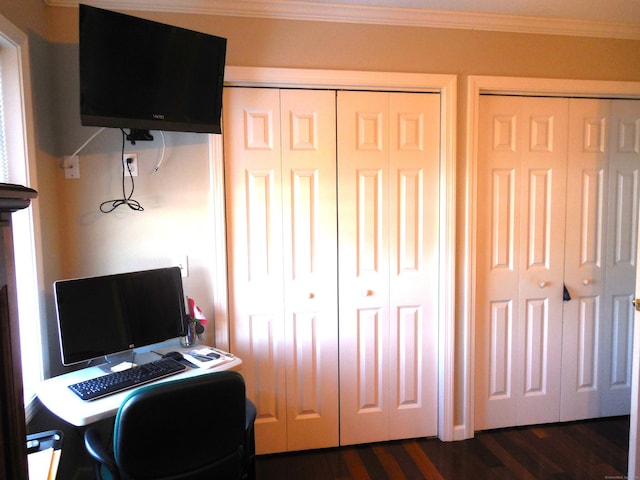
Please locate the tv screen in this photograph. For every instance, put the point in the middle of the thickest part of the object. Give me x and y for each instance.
(101, 316)
(145, 75)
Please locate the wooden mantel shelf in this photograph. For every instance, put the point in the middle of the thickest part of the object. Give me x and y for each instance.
(15, 197)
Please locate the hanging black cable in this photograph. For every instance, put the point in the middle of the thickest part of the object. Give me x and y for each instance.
(110, 205)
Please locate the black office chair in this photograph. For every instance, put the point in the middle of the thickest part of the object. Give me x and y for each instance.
(199, 427)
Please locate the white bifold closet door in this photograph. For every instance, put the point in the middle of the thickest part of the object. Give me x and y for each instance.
(388, 190)
(600, 258)
(522, 157)
(557, 221)
(281, 228)
(305, 245)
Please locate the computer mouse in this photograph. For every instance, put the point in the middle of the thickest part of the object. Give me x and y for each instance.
(174, 355)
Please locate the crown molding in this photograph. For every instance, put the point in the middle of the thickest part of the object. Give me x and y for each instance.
(414, 17)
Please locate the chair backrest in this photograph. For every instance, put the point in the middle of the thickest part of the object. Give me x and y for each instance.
(191, 428)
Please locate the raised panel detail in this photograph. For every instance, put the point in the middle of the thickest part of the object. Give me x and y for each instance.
(259, 129)
(502, 228)
(538, 241)
(621, 341)
(410, 204)
(591, 218)
(263, 355)
(306, 365)
(587, 346)
(409, 378)
(541, 134)
(594, 135)
(259, 190)
(369, 221)
(501, 345)
(304, 130)
(504, 133)
(369, 131)
(625, 218)
(369, 361)
(629, 136)
(410, 128)
(537, 318)
(304, 205)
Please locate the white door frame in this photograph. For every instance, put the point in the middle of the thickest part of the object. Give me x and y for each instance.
(476, 86)
(446, 86)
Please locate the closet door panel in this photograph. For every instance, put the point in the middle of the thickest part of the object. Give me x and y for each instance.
(520, 368)
(283, 222)
(388, 183)
(544, 167)
(414, 142)
(254, 229)
(498, 276)
(310, 267)
(601, 273)
(621, 261)
(521, 177)
(363, 198)
(584, 257)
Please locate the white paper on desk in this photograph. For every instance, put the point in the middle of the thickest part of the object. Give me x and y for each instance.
(43, 464)
(193, 356)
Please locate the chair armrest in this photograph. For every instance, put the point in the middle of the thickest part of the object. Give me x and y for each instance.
(249, 441)
(96, 449)
(251, 413)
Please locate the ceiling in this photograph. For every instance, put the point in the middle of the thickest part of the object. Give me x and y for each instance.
(594, 18)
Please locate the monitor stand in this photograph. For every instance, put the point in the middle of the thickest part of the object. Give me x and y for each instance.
(118, 361)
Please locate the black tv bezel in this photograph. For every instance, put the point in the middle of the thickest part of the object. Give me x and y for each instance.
(71, 356)
(91, 117)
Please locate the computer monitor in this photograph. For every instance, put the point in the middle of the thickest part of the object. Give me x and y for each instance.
(106, 315)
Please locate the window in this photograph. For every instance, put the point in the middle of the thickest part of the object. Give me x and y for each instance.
(17, 165)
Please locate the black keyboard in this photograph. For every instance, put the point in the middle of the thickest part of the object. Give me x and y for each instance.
(132, 377)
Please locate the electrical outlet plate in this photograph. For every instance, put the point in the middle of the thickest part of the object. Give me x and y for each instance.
(132, 159)
(71, 165)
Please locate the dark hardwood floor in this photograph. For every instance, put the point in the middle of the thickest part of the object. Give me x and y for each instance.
(589, 450)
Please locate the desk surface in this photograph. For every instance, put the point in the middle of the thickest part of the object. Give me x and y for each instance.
(65, 404)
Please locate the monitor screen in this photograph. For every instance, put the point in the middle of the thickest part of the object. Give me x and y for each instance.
(140, 74)
(100, 316)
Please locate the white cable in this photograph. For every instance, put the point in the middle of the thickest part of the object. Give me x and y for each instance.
(87, 142)
(164, 145)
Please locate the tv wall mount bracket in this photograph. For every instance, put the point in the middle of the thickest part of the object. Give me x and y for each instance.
(138, 135)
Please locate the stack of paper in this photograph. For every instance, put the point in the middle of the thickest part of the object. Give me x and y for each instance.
(43, 464)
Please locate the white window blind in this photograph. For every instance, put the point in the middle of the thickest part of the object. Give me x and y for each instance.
(4, 162)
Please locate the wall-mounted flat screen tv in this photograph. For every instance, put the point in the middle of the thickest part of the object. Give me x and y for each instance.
(144, 75)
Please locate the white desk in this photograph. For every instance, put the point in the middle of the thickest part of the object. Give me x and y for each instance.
(61, 401)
